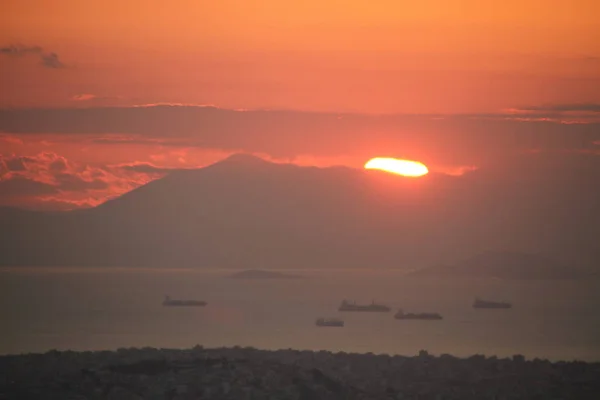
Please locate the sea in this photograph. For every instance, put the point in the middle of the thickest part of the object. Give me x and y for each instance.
(109, 308)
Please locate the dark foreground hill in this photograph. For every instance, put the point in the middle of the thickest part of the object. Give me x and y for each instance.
(247, 213)
(246, 373)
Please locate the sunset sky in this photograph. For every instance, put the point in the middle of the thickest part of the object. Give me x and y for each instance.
(471, 84)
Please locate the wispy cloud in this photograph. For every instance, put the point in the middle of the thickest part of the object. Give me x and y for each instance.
(575, 107)
(148, 168)
(84, 97)
(453, 140)
(31, 179)
(50, 60)
(573, 113)
(47, 59)
(20, 50)
(95, 99)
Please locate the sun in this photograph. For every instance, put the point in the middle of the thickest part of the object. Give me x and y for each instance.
(408, 168)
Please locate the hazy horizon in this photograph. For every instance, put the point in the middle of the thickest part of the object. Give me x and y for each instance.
(123, 308)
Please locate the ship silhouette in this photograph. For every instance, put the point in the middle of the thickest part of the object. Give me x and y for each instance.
(424, 316)
(478, 303)
(333, 322)
(347, 306)
(169, 302)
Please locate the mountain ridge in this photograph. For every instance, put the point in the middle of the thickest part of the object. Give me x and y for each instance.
(247, 213)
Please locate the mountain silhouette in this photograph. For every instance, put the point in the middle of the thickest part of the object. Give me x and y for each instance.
(247, 213)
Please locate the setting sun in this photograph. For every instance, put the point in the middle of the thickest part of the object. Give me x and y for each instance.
(396, 166)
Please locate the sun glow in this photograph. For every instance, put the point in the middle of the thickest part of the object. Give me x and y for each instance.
(396, 166)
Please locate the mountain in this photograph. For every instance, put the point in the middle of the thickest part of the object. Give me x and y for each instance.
(246, 213)
(504, 265)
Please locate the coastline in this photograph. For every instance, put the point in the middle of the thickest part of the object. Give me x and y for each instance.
(249, 373)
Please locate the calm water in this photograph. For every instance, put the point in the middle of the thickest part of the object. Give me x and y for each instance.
(83, 309)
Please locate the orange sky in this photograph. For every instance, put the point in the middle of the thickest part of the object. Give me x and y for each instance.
(366, 56)
(529, 59)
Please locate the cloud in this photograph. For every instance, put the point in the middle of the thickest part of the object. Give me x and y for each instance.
(148, 168)
(27, 181)
(15, 164)
(74, 182)
(47, 59)
(17, 186)
(58, 165)
(458, 170)
(138, 139)
(94, 99)
(54, 203)
(84, 97)
(50, 60)
(19, 50)
(10, 139)
(576, 107)
(289, 133)
(574, 113)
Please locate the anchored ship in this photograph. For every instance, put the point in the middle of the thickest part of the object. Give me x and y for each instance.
(168, 302)
(426, 316)
(346, 306)
(478, 303)
(334, 322)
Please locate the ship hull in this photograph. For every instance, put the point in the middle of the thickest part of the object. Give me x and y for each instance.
(333, 323)
(418, 316)
(486, 304)
(360, 309)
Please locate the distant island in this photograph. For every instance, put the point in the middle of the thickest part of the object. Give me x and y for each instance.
(504, 265)
(260, 274)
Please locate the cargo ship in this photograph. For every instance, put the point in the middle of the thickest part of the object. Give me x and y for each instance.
(478, 303)
(169, 302)
(424, 316)
(333, 322)
(347, 306)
